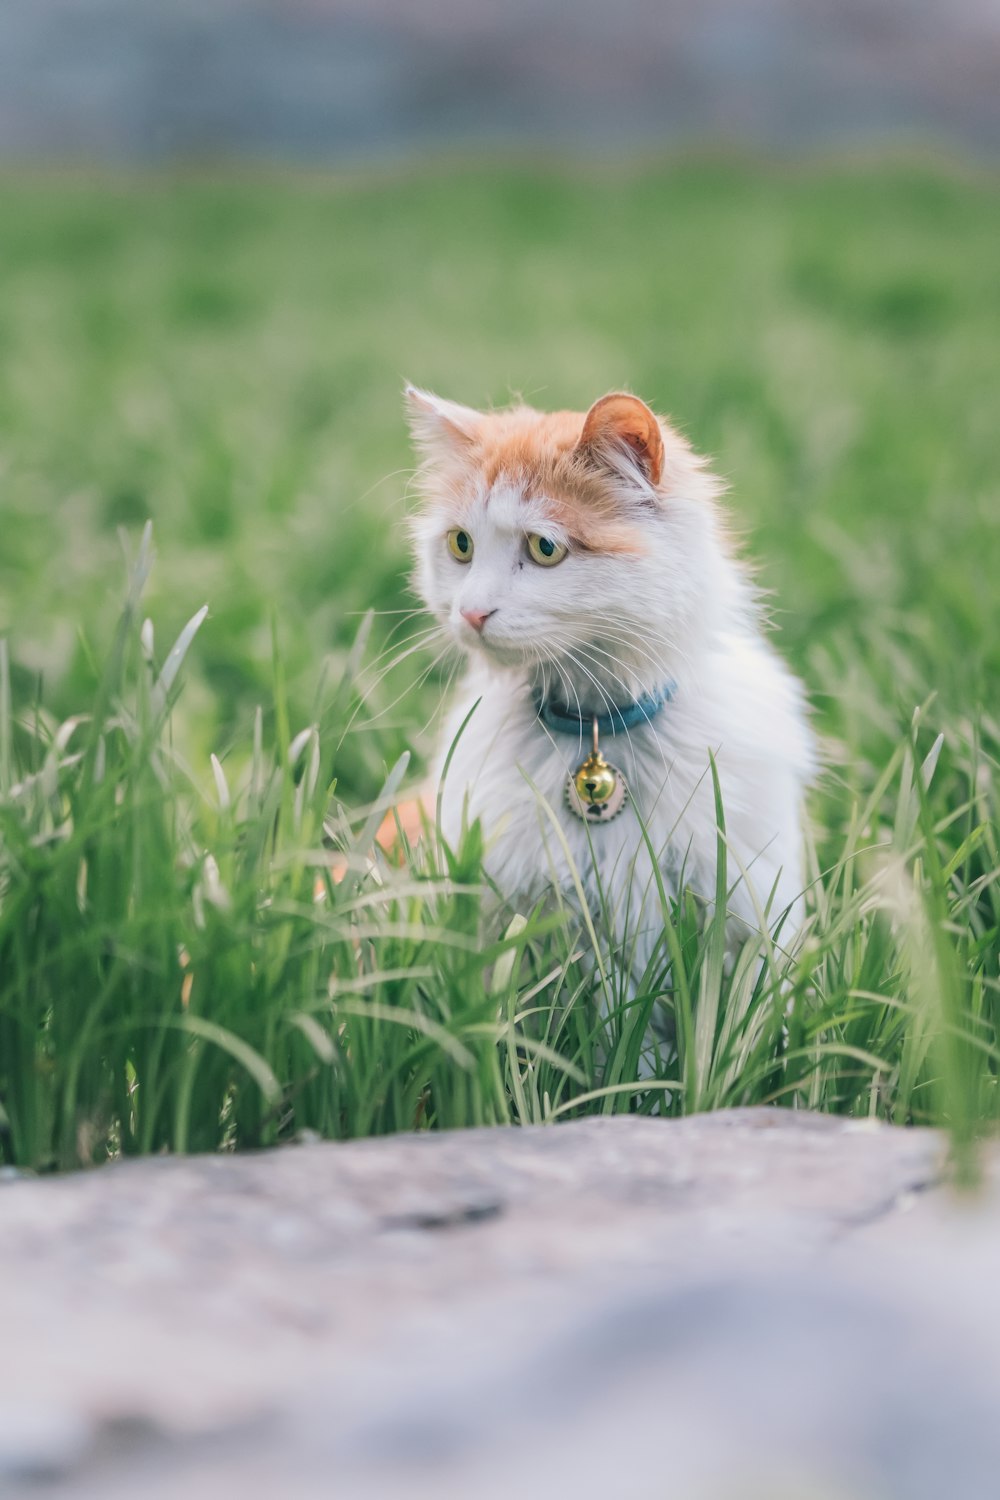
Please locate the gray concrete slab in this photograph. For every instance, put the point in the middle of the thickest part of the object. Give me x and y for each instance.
(741, 1304)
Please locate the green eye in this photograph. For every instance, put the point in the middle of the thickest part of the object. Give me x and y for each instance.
(460, 545)
(545, 551)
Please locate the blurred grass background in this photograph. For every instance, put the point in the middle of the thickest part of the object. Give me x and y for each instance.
(225, 356)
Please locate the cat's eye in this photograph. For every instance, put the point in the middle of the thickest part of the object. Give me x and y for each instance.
(460, 545)
(544, 551)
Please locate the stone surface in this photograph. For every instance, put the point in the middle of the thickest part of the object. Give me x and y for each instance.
(736, 1305)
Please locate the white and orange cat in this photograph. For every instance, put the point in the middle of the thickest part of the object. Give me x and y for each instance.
(581, 562)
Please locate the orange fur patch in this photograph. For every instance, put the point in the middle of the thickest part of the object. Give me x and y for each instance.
(566, 459)
(538, 452)
(410, 816)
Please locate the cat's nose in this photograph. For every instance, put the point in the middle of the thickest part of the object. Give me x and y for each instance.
(477, 617)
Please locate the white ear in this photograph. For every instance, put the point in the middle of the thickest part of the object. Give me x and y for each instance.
(437, 423)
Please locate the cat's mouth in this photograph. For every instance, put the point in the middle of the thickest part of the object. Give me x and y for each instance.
(491, 641)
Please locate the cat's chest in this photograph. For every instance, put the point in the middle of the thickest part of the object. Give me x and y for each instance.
(512, 774)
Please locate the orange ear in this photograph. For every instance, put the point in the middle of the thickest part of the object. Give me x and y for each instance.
(625, 422)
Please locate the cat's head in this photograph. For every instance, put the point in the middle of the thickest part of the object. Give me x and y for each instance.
(565, 535)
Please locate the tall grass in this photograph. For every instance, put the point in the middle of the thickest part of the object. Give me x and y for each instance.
(226, 356)
(220, 957)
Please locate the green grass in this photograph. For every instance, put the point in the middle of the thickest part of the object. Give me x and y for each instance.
(226, 359)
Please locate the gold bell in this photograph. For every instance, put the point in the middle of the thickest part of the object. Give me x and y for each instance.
(595, 780)
(595, 791)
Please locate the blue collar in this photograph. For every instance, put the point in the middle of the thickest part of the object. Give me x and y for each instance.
(617, 720)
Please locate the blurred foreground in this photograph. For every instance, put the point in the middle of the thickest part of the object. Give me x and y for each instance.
(738, 1306)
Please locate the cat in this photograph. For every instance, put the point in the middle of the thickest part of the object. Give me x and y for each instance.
(581, 561)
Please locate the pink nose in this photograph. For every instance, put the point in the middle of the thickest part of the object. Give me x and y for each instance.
(477, 617)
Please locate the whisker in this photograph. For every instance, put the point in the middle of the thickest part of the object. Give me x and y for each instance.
(603, 696)
(444, 695)
(378, 613)
(638, 644)
(572, 655)
(416, 642)
(410, 687)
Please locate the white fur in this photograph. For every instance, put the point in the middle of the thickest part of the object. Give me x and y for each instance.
(599, 629)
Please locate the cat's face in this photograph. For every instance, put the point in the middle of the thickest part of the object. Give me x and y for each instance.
(546, 537)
